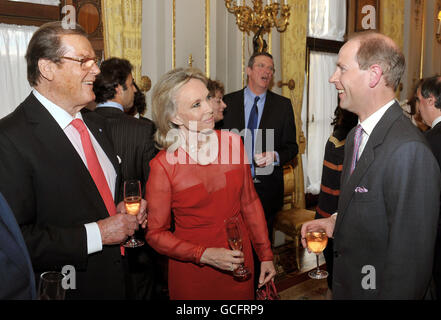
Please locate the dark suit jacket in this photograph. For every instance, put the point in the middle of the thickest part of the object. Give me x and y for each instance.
(53, 195)
(133, 142)
(433, 136)
(392, 226)
(16, 274)
(277, 115)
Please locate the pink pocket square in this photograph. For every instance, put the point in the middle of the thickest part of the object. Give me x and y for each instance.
(361, 190)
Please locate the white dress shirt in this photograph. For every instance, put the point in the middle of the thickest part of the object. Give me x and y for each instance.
(436, 121)
(369, 124)
(64, 119)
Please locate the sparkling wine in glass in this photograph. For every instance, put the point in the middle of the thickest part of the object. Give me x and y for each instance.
(317, 241)
(235, 242)
(50, 286)
(132, 202)
(255, 179)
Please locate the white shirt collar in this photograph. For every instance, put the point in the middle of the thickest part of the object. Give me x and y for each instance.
(61, 116)
(369, 124)
(436, 121)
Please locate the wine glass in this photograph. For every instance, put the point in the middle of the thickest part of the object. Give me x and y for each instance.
(255, 180)
(50, 286)
(235, 242)
(317, 241)
(132, 202)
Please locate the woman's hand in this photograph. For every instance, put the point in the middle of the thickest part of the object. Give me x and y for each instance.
(267, 272)
(222, 258)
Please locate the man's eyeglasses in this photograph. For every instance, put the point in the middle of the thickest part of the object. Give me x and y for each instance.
(85, 63)
(262, 66)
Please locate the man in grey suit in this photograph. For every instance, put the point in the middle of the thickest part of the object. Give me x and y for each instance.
(384, 231)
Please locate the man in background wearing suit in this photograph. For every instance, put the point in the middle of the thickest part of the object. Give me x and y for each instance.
(384, 231)
(256, 107)
(58, 169)
(16, 274)
(428, 103)
(132, 138)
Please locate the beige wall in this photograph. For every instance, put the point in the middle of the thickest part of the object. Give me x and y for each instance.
(225, 42)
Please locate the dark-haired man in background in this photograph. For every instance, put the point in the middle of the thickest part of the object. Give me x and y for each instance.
(132, 138)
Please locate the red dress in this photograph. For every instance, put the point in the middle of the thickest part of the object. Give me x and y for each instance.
(201, 198)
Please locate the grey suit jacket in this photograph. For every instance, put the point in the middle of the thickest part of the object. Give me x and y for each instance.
(384, 238)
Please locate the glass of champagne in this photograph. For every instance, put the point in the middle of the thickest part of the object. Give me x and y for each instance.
(50, 286)
(317, 241)
(235, 242)
(255, 179)
(132, 202)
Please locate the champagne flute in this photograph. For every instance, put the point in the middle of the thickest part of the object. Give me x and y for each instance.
(50, 286)
(235, 242)
(317, 241)
(132, 202)
(255, 179)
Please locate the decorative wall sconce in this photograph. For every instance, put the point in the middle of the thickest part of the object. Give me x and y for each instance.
(260, 19)
(438, 32)
(145, 84)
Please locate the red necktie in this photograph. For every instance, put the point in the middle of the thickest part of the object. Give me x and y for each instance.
(95, 169)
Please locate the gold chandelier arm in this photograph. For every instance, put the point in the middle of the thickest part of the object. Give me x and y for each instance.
(260, 17)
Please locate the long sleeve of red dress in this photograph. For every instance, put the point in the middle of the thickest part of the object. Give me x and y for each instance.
(254, 216)
(201, 197)
(159, 199)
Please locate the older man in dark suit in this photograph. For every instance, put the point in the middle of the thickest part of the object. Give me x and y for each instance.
(384, 231)
(16, 274)
(58, 168)
(274, 143)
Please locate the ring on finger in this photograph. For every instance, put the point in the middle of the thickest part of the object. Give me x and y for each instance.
(232, 267)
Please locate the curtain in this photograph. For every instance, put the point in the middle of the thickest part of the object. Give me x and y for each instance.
(392, 20)
(14, 86)
(122, 21)
(322, 103)
(293, 44)
(327, 19)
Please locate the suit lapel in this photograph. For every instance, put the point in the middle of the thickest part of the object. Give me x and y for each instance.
(239, 114)
(350, 182)
(99, 132)
(266, 110)
(58, 146)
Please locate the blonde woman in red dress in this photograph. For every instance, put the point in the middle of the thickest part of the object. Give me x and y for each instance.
(199, 179)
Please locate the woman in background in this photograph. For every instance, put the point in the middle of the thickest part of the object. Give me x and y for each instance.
(216, 91)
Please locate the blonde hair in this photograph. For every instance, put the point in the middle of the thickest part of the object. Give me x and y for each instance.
(164, 105)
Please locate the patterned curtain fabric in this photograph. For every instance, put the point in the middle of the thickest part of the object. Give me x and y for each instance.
(327, 19)
(293, 51)
(392, 23)
(392, 20)
(122, 31)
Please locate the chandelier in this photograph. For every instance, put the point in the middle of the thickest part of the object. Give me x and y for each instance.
(260, 19)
